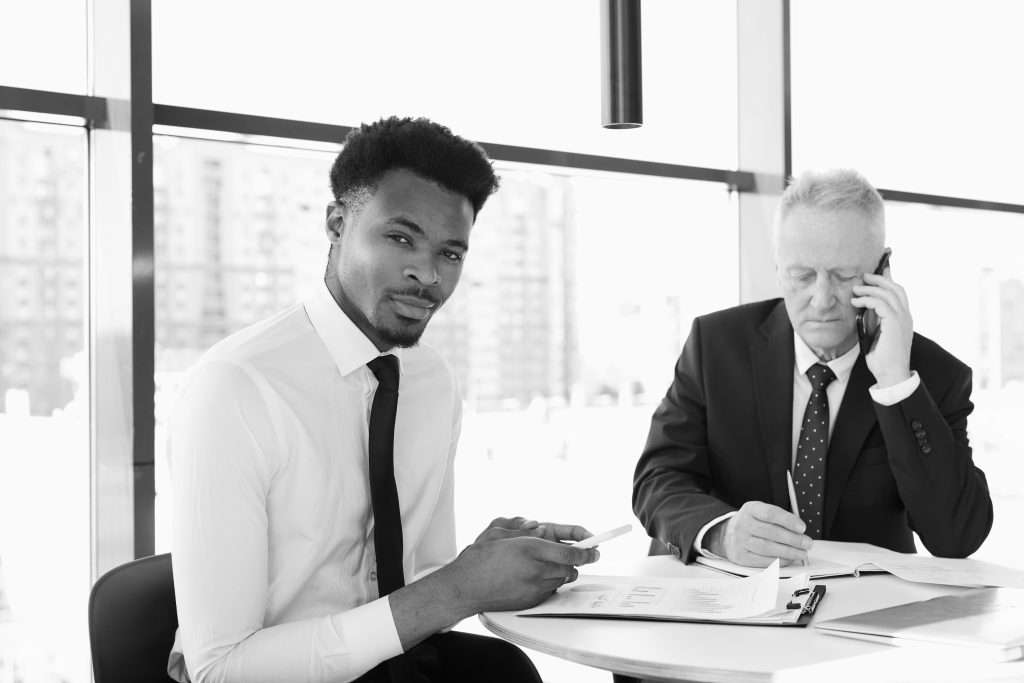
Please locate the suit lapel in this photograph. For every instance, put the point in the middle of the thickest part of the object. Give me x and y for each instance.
(853, 423)
(772, 359)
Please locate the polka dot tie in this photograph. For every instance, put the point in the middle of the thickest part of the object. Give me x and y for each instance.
(809, 472)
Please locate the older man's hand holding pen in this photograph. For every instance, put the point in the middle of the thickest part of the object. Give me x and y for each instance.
(758, 534)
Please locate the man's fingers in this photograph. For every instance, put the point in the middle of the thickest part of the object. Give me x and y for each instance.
(567, 555)
(559, 573)
(774, 515)
(772, 549)
(780, 534)
(508, 522)
(890, 297)
(563, 532)
(496, 533)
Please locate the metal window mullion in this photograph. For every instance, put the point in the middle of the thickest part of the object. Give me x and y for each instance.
(763, 135)
(289, 129)
(143, 274)
(121, 283)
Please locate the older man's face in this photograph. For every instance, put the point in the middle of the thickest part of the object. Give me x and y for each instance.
(820, 255)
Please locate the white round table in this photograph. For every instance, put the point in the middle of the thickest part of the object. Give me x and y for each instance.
(728, 653)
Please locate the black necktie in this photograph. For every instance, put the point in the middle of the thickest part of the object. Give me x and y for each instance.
(809, 472)
(387, 519)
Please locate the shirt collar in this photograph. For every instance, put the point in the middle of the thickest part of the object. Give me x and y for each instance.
(349, 347)
(805, 358)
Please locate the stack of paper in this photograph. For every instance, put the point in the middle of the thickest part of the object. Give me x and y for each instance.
(989, 621)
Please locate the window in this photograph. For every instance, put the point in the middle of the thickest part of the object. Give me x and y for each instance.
(209, 280)
(523, 73)
(42, 44)
(44, 407)
(918, 95)
(563, 353)
(964, 275)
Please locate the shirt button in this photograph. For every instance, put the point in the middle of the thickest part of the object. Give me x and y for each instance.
(916, 424)
(920, 433)
(373, 575)
(926, 448)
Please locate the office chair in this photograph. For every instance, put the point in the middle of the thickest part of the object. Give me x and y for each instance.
(132, 620)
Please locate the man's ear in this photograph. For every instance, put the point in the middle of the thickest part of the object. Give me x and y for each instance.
(334, 222)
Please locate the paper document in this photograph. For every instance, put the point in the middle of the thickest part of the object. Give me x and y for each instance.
(990, 620)
(836, 558)
(749, 600)
(950, 572)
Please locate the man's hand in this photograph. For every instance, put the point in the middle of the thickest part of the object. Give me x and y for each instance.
(757, 534)
(889, 361)
(512, 573)
(511, 527)
(514, 564)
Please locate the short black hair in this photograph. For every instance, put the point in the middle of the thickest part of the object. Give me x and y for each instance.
(419, 145)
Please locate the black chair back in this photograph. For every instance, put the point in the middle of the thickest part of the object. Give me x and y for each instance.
(132, 620)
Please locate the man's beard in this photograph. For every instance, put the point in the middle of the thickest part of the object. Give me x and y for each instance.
(402, 338)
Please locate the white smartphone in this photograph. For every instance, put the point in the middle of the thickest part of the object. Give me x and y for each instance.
(603, 536)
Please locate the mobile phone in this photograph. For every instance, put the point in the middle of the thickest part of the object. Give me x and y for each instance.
(867, 320)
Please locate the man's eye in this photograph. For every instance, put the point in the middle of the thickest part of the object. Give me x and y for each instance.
(401, 239)
(453, 256)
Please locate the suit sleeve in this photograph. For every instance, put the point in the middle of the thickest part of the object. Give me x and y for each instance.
(672, 481)
(946, 496)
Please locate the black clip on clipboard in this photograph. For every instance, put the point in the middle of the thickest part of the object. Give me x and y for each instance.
(807, 605)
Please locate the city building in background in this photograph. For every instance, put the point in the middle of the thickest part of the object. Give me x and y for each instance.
(42, 268)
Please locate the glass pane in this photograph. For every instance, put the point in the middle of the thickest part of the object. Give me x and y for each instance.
(522, 73)
(238, 236)
(42, 45)
(44, 405)
(565, 331)
(919, 95)
(964, 275)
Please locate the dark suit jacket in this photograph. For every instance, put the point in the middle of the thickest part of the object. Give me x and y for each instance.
(722, 436)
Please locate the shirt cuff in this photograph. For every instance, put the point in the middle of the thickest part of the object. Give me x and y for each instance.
(368, 633)
(698, 542)
(890, 396)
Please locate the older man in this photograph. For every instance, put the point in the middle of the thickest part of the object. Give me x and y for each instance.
(876, 440)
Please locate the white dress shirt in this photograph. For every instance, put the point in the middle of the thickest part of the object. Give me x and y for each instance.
(274, 564)
(841, 367)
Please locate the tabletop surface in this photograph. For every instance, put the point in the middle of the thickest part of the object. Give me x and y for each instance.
(719, 652)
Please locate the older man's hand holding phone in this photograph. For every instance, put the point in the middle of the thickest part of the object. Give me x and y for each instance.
(885, 327)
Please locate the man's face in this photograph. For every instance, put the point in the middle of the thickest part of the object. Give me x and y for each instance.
(397, 259)
(820, 256)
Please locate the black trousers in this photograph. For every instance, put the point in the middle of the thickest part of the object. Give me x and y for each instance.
(460, 657)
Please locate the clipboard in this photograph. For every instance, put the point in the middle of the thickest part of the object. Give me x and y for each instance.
(655, 599)
(799, 610)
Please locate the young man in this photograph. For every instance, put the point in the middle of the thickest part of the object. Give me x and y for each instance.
(312, 456)
(876, 441)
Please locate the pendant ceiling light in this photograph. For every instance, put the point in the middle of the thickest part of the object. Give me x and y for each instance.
(622, 96)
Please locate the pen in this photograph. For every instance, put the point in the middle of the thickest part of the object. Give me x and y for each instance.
(792, 497)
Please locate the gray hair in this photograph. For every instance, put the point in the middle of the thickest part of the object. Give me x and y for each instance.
(835, 189)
